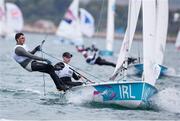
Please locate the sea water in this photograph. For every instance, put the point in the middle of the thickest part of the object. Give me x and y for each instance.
(32, 96)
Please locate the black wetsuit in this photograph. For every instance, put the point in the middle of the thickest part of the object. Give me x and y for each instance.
(99, 61)
(39, 66)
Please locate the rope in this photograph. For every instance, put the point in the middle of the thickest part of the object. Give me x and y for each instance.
(100, 16)
(44, 84)
(82, 75)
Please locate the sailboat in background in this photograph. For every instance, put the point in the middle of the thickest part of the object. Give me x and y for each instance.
(11, 19)
(71, 28)
(129, 92)
(2, 18)
(134, 9)
(161, 23)
(110, 30)
(177, 44)
(87, 23)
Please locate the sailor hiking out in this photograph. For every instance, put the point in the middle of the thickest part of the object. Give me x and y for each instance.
(32, 63)
(93, 56)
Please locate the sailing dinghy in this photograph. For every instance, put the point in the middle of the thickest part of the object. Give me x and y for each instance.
(161, 23)
(129, 92)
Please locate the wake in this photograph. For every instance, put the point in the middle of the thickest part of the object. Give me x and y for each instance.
(167, 100)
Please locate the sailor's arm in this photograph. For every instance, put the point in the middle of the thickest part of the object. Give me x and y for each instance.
(35, 50)
(22, 52)
(75, 76)
(90, 60)
(94, 56)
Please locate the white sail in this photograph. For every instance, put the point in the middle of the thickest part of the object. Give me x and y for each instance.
(2, 17)
(149, 40)
(177, 44)
(11, 19)
(161, 29)
(69, 27)
(14, 17)
(155, 25)
(133, 12)
(110, 25)
(87, 23)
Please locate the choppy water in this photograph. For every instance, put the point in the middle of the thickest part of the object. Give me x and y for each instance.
(22, 93)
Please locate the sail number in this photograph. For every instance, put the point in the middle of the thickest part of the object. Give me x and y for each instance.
(125, 92)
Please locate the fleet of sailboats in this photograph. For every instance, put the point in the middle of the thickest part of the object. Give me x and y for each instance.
(126, 92)
(159, 32)
(74, 25)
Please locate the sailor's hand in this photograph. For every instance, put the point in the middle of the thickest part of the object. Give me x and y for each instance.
(95, 49)
(80, 76)
(38, 48)
(48, 61)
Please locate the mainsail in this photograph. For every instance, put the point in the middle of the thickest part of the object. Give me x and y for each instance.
(11, 19)
(87, 23)
(133, 12)
(161, 29)
(14, 17)
(155, 24)
(149, 40)
(69, 28)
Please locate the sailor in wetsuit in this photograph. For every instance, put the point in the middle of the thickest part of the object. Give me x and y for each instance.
(96, 59)
(66, 72)
(82, 48)
(30, 62)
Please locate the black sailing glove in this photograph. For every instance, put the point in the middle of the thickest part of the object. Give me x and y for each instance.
(38, 48)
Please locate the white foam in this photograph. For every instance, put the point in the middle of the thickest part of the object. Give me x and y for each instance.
(80, 96)
(32, 90)
(6, 120)
(168, 99)
(171, 72)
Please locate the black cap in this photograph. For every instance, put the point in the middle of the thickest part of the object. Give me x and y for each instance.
(67, 54)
